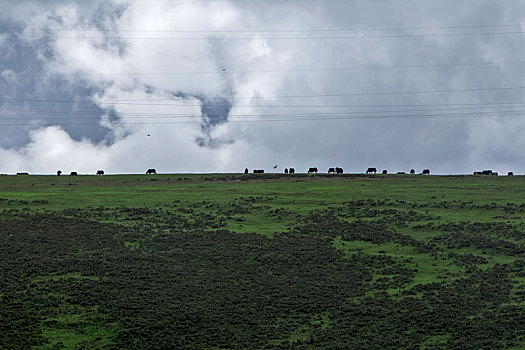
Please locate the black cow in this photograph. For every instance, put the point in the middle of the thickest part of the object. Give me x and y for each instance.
(412, 171)
(331, 171)
(400, 173)
(371, 170)
(510, 173)
(486, 172)
(292, 171)
(73, 173)
(286, 170)
(339, 170)
(312, 170)
(477, 173)
(100, 172)
(22, 173)
(151, 171)
(258, 171)
(246, 171)
(385, 172)
(59, 172)
(426, 171)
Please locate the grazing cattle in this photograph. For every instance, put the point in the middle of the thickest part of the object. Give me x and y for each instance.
(371, 170)
(400, 173)
(339, 170)
(246, 171)
(412, 171)
(510, 173)
(22, 173)
(258, 171)
(292, 171)
(59, 172)
(477, 173)
(312, 170)
(426, 171)
(331, 171)
(385, 172)
(286, 170)
(151, 171)
(73, 173)
(100, 172)
(486, 172)
(494, 173)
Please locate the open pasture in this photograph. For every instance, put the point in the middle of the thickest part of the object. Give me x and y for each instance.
(262, 261)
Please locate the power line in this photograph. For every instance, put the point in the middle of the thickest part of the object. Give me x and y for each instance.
(313, 118)
(130, 102)
(222, 72)
(509, 103)
(335, 37)
(248, 121)
(261, 30)
(152, 115)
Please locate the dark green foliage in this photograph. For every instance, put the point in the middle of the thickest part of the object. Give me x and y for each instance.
(377, 273)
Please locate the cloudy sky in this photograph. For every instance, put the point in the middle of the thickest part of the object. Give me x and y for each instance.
(217, 86)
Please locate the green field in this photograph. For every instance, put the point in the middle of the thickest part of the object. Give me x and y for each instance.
(262, 261)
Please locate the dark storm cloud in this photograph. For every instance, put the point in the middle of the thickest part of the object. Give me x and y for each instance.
(214, 112)
(30, 97)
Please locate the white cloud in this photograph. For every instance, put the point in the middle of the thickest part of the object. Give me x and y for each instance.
(444, 145)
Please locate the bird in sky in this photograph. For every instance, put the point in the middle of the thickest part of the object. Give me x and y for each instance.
(275, 167)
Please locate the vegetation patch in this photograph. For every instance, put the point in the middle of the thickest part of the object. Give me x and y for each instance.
(264, 261)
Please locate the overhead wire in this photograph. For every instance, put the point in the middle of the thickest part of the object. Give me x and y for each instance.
(300, 117)
(132, 102)
(334, 37)
(269, 120)
(152, 115)
(305, 70)
(257, 30)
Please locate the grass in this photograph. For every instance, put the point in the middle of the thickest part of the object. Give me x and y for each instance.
(415, 208)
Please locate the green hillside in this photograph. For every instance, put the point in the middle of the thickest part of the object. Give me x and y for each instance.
(262, 261)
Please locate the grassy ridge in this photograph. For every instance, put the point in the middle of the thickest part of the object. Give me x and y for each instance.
(224, 260)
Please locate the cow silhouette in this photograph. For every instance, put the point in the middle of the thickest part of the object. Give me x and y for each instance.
(339, 170)
(151, 171)
(371, 170)
(312, 170)
(426, 171)
(73, 173)
(246, 171)
(59, 172)
(510, 173)
(100, 172)
(292, 171)
(412, 171)
(401, 173)
(331, 171)
(385, 172)
(258, 171)
(286, 170)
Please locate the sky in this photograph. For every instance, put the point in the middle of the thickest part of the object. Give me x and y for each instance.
(219, 86)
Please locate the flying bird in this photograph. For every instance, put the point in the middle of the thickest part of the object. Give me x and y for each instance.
(275, 167)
